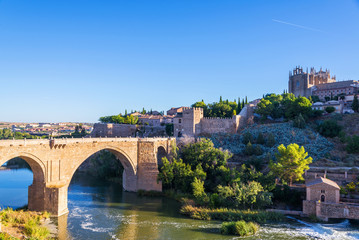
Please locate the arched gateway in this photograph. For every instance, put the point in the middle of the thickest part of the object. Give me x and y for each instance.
(54, 162)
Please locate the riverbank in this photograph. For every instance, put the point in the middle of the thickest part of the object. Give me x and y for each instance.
(20, 224)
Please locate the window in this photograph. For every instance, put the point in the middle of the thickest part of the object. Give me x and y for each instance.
(322, 198)
(179, 120)
(322, 191)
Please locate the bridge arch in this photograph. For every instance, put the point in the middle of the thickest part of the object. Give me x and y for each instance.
(161, 153)
(130, 168)
(36, 190)
(37, 166)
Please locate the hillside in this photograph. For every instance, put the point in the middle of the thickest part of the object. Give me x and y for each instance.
(324, 151)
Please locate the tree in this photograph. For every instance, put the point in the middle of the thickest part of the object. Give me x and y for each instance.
(299, 122)
(176, 175)
(211, 160)
(198, 191)
(353, 145)
(355, 104)
(329, 128)
(330, 109)
(260, 139)
(264, 108)
(169, 129)
(291, 163)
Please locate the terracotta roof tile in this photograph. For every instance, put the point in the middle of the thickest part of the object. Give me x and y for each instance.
(323, 180)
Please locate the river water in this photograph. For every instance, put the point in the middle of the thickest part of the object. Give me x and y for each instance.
(101, 210)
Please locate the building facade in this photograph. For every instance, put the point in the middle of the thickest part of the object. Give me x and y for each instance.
(320, 84)
(337, 105)
(323, 201)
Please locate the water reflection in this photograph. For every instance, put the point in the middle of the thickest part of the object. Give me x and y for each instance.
(14, 187)
(101, 210)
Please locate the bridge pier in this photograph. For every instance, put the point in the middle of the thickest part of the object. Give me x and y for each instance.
(56, 200)
(36, 196)
(52, 199)
(147, 177)
(129, 181)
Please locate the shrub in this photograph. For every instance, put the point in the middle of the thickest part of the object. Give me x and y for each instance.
(260, 139)
(329, 128)
(225, 214)
(299, 122)
(5, 236)
(270, 140)
(317, 113)
(353, 145)
(33, 230)
(247, 137)
(257, 150)
(249, 150)
(330, 109)
(350, 187)
(240, 228)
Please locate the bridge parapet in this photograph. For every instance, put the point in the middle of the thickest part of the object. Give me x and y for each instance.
(25, 142)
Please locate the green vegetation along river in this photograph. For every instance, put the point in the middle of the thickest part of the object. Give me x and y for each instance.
(101, 210)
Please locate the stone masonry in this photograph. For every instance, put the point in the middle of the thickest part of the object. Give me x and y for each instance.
(323, 201)
(191, 122)
(54, 163)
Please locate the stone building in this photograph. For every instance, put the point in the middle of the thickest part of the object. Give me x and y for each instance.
(323, 190)
(191, 122)
(319, 84)
(323, 201)
(174, 111)
(337, 105)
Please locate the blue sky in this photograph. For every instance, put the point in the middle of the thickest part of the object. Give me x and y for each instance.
(77, 60)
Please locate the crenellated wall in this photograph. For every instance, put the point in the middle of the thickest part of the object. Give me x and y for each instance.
(192, 123)
(218, 125)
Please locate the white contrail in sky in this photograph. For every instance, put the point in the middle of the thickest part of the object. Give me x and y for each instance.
(298, 26)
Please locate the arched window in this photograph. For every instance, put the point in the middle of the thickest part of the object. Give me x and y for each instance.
(322, 198)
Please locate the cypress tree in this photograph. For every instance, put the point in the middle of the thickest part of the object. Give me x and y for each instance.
(246, 100)
(355, 104)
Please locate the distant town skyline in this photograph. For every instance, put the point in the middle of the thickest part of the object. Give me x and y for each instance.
(75, 61)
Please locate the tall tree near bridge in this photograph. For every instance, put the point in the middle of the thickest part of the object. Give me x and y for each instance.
(291, 163)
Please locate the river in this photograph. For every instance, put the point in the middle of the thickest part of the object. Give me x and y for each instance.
(101, 210)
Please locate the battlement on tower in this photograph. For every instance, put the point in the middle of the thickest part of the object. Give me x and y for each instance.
(300, 82)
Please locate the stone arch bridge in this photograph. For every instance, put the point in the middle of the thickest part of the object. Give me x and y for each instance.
(54, 162)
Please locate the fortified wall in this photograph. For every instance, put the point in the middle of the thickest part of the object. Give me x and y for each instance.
(216, 125)
(113, 130)
(191, 122)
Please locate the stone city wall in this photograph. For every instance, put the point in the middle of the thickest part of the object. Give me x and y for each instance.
(218, 125)
(113, 130)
